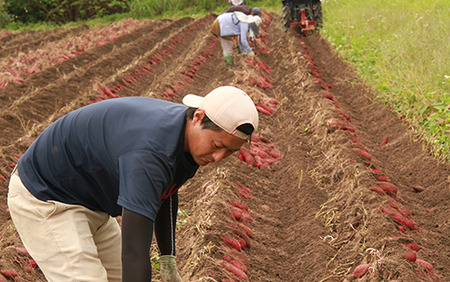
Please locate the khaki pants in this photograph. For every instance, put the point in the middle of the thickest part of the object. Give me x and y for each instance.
(227, 46)
(225, 41)
(68, 242)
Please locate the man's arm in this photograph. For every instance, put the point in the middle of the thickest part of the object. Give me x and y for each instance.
(137, 232)
(243, 40)
(165, 225)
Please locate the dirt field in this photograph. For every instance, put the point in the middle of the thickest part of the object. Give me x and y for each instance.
(339, 180)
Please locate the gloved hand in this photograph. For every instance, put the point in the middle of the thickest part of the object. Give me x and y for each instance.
(251, 53)
(169, 272)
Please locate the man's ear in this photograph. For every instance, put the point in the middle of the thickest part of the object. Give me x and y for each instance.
(199, 114)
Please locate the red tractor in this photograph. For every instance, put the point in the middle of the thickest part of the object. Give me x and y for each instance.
(307, 14)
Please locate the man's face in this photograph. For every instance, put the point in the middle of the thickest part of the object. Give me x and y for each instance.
(208, 146)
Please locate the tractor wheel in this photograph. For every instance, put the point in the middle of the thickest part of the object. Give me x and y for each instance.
(286, 17)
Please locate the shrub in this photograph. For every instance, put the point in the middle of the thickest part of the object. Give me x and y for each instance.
(5, 17)
(63, 11)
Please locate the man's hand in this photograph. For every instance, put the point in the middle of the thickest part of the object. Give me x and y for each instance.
(169, 272)
(252, 54)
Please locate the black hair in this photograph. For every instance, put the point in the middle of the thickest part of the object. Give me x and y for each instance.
(206, 123)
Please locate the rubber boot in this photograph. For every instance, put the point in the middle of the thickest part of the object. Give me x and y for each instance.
(229, 61)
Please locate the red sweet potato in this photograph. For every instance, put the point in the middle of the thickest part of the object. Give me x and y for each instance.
(389, 211)
(382, 178)
(263, 139)
(264, 111)
(246, 217)
(239, 265)
(347, 128)
(402, 211)
(258, 161)
(243, 235)
(275, 154)
(239, 205)
(405, 212)
(405, 222)
(411, 256)
(239, 256)
(271, 101)
(245, 228)
(378, 190)
(236, 215)
(417, 188)
(22, 250)
(232, 243)
(413, 246)
(356, 140)
(364, 153)
(425, 265)
(385, 141)
(262, 154)
(266, 108)
(389, 188)
(32, 263)
(234, 270)
(360, 271)
(374, 170)
(9, 273)
(247, 156)
(244, 195)
(334, 122)
(243, 188)
(241, 243)
(227, 258)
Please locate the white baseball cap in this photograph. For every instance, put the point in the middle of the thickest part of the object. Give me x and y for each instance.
(228, 107)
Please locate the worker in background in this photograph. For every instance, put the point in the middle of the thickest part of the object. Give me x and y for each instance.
(125, 156)
(236, 2)
(232, 24)
(255, 11)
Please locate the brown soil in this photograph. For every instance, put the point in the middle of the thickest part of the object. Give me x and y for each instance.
(312, 214)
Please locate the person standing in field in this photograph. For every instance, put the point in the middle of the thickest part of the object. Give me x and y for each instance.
(236, 2)
(227, 25)
(120, 157)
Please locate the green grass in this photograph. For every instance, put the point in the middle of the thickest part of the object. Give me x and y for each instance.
(402, 49)
(156, 10)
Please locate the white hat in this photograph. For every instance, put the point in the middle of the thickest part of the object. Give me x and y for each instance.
(236, 2)
(228, 107)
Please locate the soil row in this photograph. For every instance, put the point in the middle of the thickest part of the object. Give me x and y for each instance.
(297, 204)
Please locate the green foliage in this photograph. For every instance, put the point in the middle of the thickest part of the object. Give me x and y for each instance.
(401, 48)
(5, 17)
(142, 9)
(154, 8)
(64, 11)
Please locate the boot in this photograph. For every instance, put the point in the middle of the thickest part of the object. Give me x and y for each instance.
(229, 61)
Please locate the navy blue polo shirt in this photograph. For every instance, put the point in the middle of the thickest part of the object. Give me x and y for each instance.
(124, 152)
